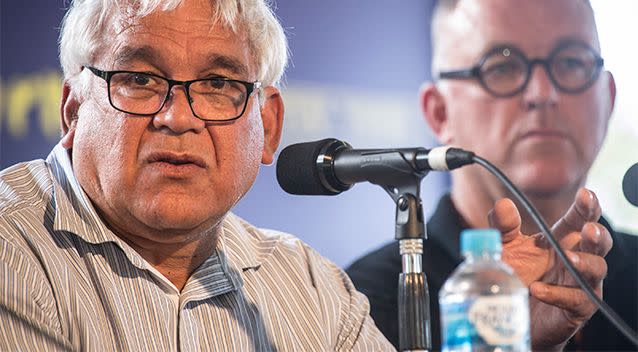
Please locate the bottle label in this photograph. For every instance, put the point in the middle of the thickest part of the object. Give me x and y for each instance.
(484, 321)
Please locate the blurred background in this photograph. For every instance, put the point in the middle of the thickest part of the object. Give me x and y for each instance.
(355, 71)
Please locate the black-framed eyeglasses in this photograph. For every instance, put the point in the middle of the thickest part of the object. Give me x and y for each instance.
(215, 99)
(505, 71)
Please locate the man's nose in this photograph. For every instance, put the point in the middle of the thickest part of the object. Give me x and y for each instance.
(540, 91)
(177, 115)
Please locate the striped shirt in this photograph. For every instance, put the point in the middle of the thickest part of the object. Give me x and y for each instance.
(68, 283)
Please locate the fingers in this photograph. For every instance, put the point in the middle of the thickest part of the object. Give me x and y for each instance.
(595, 239)
(593, 268)
(584, 209)
(505, 218)
(573, 301)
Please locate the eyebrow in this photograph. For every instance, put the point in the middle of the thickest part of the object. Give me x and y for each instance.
(228, 63)
(130, 54)
(575, 40)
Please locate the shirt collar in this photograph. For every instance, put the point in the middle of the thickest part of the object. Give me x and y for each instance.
(245, 246)
(240, 248)
(74, 211)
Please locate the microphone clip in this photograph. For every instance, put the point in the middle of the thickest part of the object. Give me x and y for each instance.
(409, 222)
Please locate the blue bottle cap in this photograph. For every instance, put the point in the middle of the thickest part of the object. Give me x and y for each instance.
(477, 241)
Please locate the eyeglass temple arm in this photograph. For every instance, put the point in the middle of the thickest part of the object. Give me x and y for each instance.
(459, 74)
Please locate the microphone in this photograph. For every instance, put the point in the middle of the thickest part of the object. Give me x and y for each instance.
(330, 166)
(630, 185)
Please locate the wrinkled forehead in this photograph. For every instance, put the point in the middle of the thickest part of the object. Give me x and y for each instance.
(536, 27)
(189, 31)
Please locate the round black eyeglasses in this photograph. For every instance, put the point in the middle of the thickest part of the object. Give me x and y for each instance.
(505, 71)
(215, 99)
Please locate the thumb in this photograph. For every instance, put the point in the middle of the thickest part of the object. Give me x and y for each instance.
(505, 218)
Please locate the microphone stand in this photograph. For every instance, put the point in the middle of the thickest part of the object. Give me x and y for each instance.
(399, 172)
(413, 297)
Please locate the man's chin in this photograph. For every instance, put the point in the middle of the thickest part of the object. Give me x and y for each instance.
(547, 188)
(178, 222)
(176, 212)
(549, 183)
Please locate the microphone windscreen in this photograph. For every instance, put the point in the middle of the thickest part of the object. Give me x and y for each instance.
(630, 185)
(297, 171)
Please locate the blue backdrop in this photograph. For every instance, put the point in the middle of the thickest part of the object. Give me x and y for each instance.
(355, 72)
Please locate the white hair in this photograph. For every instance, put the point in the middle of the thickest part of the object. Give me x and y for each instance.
(87, 21)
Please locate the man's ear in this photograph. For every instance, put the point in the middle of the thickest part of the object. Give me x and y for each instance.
(611, 82)
(272, 115)
(435, 112)
(69, 107)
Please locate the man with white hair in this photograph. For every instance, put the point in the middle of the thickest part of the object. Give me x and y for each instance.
(122, 239)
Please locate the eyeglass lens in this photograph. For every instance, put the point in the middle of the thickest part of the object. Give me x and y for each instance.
(506, 70)
(144, 94)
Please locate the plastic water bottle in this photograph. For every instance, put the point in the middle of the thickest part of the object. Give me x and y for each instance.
(484, 306)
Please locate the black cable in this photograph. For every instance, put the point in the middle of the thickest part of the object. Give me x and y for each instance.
(605, 309)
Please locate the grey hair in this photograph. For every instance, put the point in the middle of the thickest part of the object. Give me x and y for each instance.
(87, 21)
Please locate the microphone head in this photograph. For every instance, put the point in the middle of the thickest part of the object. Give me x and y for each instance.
(630, 185)
(298, 169)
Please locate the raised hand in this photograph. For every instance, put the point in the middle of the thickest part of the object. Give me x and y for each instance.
(558, 307)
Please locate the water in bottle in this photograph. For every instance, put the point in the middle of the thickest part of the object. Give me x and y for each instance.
(484, 306)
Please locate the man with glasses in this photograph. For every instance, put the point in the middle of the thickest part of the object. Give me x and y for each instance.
(522, 84)
(122, 239)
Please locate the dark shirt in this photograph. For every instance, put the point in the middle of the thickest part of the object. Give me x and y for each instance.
(376, 275)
